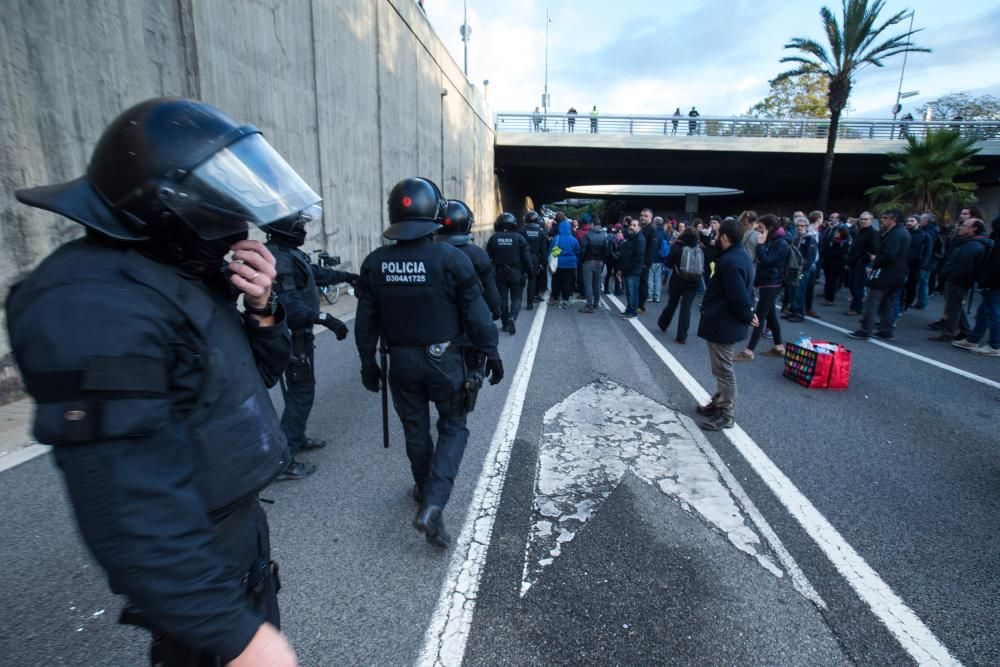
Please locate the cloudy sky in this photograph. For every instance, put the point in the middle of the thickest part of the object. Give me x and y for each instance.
(651, 56)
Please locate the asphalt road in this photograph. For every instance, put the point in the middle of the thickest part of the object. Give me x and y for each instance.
(903, 465)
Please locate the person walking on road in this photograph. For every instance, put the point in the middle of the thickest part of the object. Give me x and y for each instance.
(726, 313)
(456, 229)
(152, 386)
(686, 261)
(596, 247)
(417, 298)
(772, 255)
(297, 287)
(567, 251)
(535, 236)
(508, 250)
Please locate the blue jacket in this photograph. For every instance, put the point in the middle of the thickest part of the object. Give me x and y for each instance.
(569, 247)
(965, 260)
(727, 307)
(771, 259)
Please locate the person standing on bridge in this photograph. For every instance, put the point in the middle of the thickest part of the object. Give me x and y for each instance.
(508, 250)
(726, 313)
(536, 119)
(152, 386)
(693, 124)
(297, 287)
(677, 114)
(418, 298)
(593, 120)
(571, 119)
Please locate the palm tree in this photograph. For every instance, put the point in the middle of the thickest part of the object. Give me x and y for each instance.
(923, 174)
(852, 47)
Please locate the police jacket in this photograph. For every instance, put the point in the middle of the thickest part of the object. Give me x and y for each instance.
(297, 282)
(865, 244)
(153, 390)
(509, 252)
(891, 259)
(416, 293)
(536, 239)
(727, 307)
(482, 266)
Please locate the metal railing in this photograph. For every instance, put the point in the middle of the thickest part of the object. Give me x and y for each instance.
(739, 126)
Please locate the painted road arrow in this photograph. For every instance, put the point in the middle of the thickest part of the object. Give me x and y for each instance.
(604, 430)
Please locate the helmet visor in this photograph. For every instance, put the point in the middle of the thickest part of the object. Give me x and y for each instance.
(246, 183)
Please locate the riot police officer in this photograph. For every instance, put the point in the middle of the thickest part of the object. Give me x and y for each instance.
(537, 243)
(456, 229)
(296, 284)
(157, 403)
(508, 251)
(419, 298)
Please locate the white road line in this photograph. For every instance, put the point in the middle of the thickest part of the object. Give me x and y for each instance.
(914, 355)
(915, 637)
(445, 639)
(22, 455)
(799, 580)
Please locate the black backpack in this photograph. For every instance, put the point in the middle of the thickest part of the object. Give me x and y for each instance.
(794, 266)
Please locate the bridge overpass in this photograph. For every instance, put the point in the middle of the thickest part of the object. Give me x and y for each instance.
(772, 164)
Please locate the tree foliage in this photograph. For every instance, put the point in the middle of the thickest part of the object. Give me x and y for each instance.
(854, 42)
(946, 107)
(802, 96)
(924, 174)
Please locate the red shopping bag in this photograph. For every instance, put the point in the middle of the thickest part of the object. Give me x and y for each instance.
(818, 369)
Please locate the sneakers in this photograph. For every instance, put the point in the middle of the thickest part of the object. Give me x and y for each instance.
(852, 313)
(776, 351)
(884, 335)
(297, 470)
(860, 334)
(716, 422)
(587, 309)
(768, 335)
(743, 356)
(796, 318)
(627, 316)
(965, 344)
(942, 338)
(640, 310)
(986, 351)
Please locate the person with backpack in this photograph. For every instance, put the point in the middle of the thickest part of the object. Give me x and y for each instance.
(988, 314)
(687, 260)
(769, 278)
(654, 287)
(595, 249)
(806, 245)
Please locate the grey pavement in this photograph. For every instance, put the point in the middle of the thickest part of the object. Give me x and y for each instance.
(903, 464)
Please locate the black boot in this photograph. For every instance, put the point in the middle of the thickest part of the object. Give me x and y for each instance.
(709, 409)
(429, 522)
(309, 443)
(418, 493)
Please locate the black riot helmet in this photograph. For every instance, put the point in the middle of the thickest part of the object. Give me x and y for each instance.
(531, 217)
(416, 209)
(291, 230)
(506, 222)
(458, 218)
(168, 163)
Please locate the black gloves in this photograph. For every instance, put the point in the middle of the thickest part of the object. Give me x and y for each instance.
(333, 324)
(352, 279)
(371, 376)
(494, 369)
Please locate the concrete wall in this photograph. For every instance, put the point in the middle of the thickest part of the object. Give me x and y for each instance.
(356, 94)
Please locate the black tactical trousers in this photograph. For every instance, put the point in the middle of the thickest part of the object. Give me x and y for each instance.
(417, 380)
(299, 391)
(248, 548)
(532, 280)
(510, 284)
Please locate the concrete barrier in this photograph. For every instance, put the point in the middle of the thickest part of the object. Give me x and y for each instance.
(356, 94)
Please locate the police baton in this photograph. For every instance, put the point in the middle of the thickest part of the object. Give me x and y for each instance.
(384, 354)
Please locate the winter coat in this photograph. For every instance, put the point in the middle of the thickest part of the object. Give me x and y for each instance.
(633, 253)
(673, 260)
(921, 249)
(652, 250)
(835, 250)
(569, 247)
(727, 307)
(989, 275)
(965, 259)
(596, 245)
(891, 259)
(808, 246)
(771, 259)
(865, 244)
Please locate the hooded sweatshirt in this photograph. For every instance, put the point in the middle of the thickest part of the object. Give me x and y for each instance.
(569, 247)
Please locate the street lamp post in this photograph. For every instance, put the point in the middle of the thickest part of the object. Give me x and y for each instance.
(466, 32)
(545, 93)
(899, 92)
